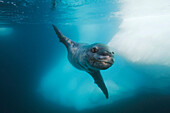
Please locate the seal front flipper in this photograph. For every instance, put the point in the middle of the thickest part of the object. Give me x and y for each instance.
(66, 41)
(99, 81)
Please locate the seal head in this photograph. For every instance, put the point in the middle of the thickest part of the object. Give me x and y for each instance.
(99, 57)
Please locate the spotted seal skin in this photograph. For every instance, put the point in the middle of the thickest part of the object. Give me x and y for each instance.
(90, 58)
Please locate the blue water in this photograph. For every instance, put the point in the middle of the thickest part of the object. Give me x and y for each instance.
(36, 77)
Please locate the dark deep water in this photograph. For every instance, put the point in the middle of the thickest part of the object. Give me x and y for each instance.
(29, 48)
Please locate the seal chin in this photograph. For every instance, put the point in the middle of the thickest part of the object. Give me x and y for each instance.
(101, 64)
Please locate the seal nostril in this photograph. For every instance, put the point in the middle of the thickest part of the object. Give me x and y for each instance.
(113, 53)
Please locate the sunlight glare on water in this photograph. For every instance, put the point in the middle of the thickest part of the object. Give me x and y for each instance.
(5, 31)
(56, 11)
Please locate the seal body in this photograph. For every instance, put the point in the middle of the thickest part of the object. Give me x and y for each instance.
(89, 57)
(76, 56)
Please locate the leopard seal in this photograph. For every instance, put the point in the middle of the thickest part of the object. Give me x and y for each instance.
(90, 58)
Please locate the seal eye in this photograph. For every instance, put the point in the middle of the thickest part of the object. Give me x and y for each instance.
(94, 50)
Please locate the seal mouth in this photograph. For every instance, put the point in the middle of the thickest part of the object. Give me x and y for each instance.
(102, 62)
(106, 59)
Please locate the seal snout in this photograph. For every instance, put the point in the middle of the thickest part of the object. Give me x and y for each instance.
(107, 56)
(107, 53)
